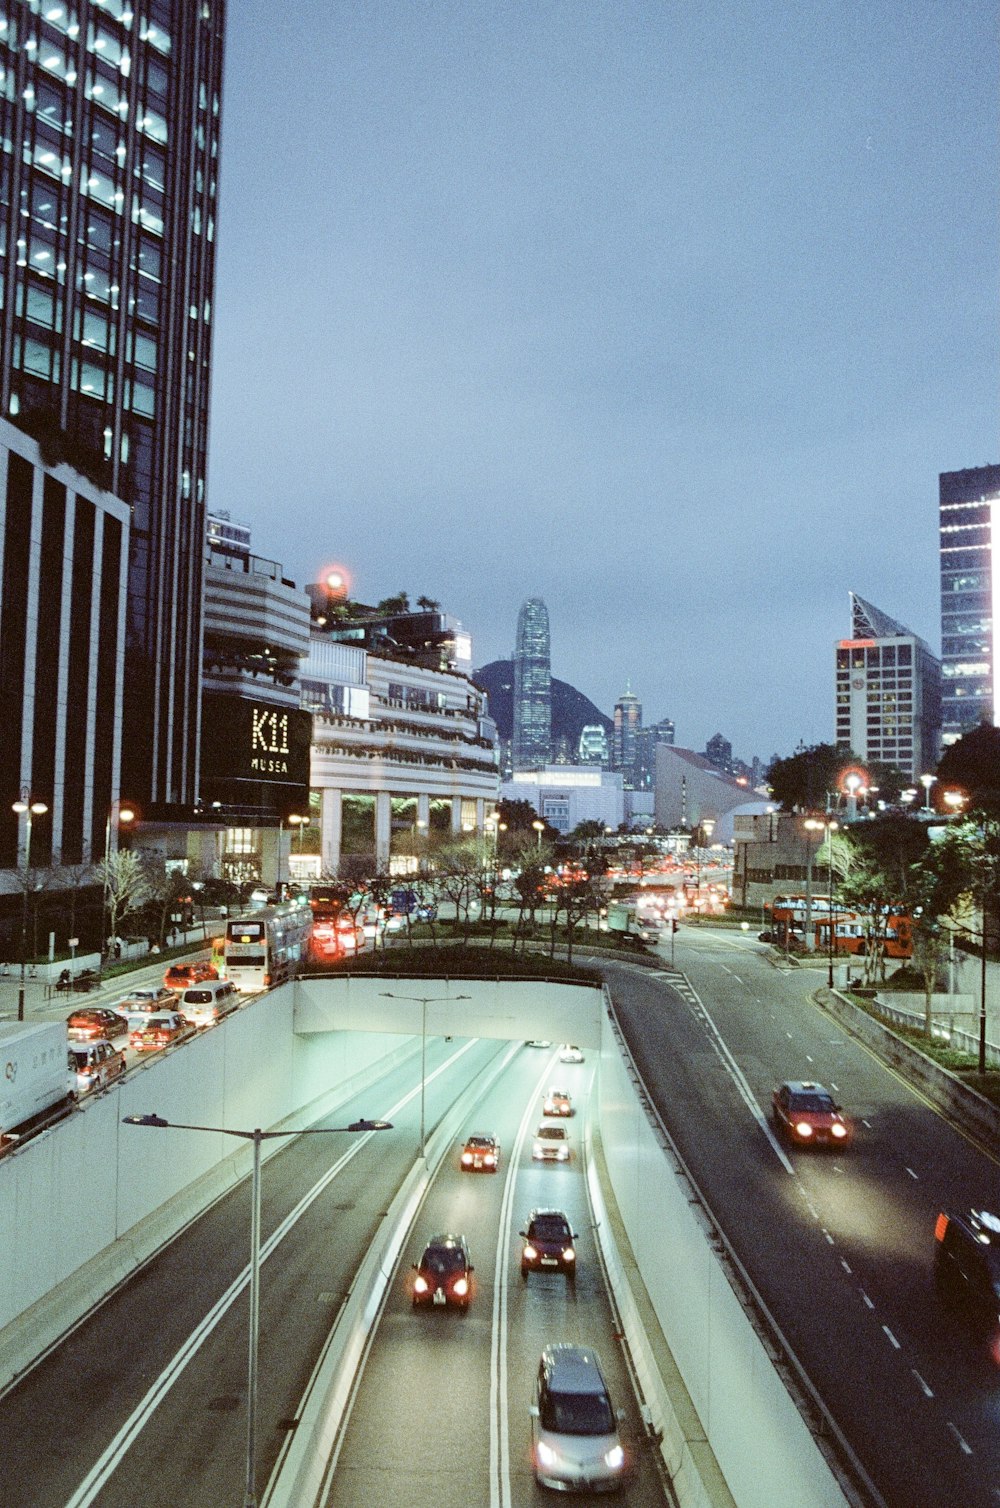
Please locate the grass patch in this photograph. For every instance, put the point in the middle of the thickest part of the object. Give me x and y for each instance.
(964, 1065)
(454, 960)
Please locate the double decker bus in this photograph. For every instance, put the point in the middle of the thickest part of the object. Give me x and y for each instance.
(851, 932)
(265, 948)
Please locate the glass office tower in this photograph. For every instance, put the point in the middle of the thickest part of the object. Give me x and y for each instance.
(970, 597)
(108, 193)
(532, 741)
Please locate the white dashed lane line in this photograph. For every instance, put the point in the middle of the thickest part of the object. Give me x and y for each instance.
(963, 1445)
(927, 1391)
(891, 1338)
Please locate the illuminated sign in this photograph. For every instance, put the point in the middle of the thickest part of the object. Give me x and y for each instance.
(246, 739)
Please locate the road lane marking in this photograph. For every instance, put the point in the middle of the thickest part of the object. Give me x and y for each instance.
(870, 1303)
(927, 1391)
(964, 1446)
(891, 1338)
(913, 1175)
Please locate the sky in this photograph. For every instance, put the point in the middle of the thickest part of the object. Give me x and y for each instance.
(667, 312)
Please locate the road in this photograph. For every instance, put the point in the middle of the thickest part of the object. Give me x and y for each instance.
(840, 1246)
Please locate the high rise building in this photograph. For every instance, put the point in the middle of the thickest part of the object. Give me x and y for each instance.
(646, 741)
(532, 687)
(593, 745)
(627, 722)
(970, 597)
(108, 189)
(719, 751)
(888, 693)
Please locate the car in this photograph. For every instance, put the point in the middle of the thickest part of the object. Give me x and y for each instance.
(557, 1102)
(443, 1274)
(551, 1143)
(95, 1065)
(967, 1271)
(534, 1042)
(160, 1029)
(180, 976)
(808, 1116)
(94, 1021)
(480, 1154)
(548, 1244)
(575, 1441)
(205, 1004)
(140, 1004)
(427, 913)
(571, 1054)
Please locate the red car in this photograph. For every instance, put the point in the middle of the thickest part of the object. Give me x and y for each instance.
(161, 1029)
(557, 1102)
(94, 1021)
(180, 976)
(480, 1154)
(807, 1115)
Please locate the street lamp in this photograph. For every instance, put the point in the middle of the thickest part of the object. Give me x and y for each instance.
(423, 1001)
(828, 827)
(927, 781)
(539, 829)
(28, 809)
(256, 1137)
(125, 816)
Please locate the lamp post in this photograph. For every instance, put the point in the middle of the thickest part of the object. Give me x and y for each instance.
(125, 815)
(256, 1137)
(539, 829)
(816, 824)
(27, 809)
(927, 781)
(423, 1001)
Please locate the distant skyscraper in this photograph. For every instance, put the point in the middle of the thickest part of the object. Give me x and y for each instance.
(888, 693)
(719, 751)
(628, 721)
(532, 687)
(646, 740)
(593, 746)
(970, 597)
(108, 204)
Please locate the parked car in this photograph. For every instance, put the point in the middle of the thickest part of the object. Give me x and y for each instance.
(571, 1054)
(444, 1274)
(180, 976)
(480, 1154)
(574, 1429)
(557, 1102)
(806, 1114)
(551, 1143)
(93, 1021)
(548, 1244)
(536, 1042)
(160, 1030)
(94, 1065)
(205, 1004)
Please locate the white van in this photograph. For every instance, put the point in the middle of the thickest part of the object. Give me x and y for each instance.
(206, 1003)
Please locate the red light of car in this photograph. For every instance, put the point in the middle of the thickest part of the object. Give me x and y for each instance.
(940, 1226)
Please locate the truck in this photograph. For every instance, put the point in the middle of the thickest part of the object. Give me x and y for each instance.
(34, 1074)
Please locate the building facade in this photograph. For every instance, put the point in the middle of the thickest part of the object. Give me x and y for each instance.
(646, 740)
(532, 731)
(970, 597)
(566, 795)
(63, 564)
(689, 790)
(108, 187)
(627, 722)
(593, 745)
(888, 691)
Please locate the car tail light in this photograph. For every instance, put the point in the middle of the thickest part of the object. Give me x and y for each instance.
(803, 1128)
(940, 1226)
(461, 1287)
(530, 1252)
(420, 1286)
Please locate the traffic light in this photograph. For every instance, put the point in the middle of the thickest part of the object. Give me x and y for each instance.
(674, 924)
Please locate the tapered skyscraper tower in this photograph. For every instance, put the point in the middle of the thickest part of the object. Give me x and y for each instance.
(532, 743)
(108, 209)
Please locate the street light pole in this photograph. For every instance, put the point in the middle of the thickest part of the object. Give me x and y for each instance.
(125, 814)
(539, 829)
(817, 824)
(423, 1001)
(255, 1138)
(27, 808)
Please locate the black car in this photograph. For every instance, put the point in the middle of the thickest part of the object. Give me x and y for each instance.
(548, 1245)
(967, 1270)
(443, 1274)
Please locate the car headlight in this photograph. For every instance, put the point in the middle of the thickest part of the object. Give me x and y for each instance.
(569, 1255)
(803, 1128)
(546, 1455)
(837, 1129)
(466, 1158)
(420, 1286)
(614, 1459)
(461, 1287)
(489, 1160)
(563, 1153)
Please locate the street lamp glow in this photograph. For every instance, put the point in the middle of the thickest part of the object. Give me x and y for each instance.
(539, 829)
(927, 781)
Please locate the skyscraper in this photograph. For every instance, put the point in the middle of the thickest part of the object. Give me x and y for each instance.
(970, 597)
(108, 190)
(532, 687)
(628, 721)
(888, 693)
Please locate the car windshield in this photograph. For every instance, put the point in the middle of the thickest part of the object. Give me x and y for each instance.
(479, 1143)
(549, 1228)
(578, 1414)
(558, 1094)
(551, 1133)
(444, 1259)
(820, 1104)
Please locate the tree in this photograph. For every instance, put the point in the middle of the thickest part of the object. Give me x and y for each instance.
(803, 781)
(577, 898)
(428, 604)
(125, 883)
(458, 880)
(398, 604)
(945, 881)
(973, 765)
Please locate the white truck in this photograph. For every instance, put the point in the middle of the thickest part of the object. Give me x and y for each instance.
(33, 1072)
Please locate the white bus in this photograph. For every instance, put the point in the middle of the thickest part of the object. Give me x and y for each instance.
(265, 948)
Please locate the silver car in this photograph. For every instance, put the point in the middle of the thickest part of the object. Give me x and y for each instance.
(575, 1441)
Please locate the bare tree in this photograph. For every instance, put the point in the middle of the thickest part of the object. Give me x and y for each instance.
(125, 883)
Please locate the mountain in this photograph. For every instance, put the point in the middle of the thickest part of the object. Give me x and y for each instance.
(571, 710)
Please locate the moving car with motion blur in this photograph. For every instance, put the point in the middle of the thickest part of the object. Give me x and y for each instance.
(575, 1444)
(551, 1143)
(161, 1029)
(94, 1065)
(548, 1245)
(443, 1274)
(557, 1102)
(481, 1154)
(967, 1271)
(807, 1115)
(94, 1021)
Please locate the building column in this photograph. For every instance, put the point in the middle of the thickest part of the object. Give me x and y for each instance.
(423, 811)
(330, 827)
(456, 814)
(383, 829)
(480, 814)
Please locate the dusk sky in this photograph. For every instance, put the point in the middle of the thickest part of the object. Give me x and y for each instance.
(669, 313)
